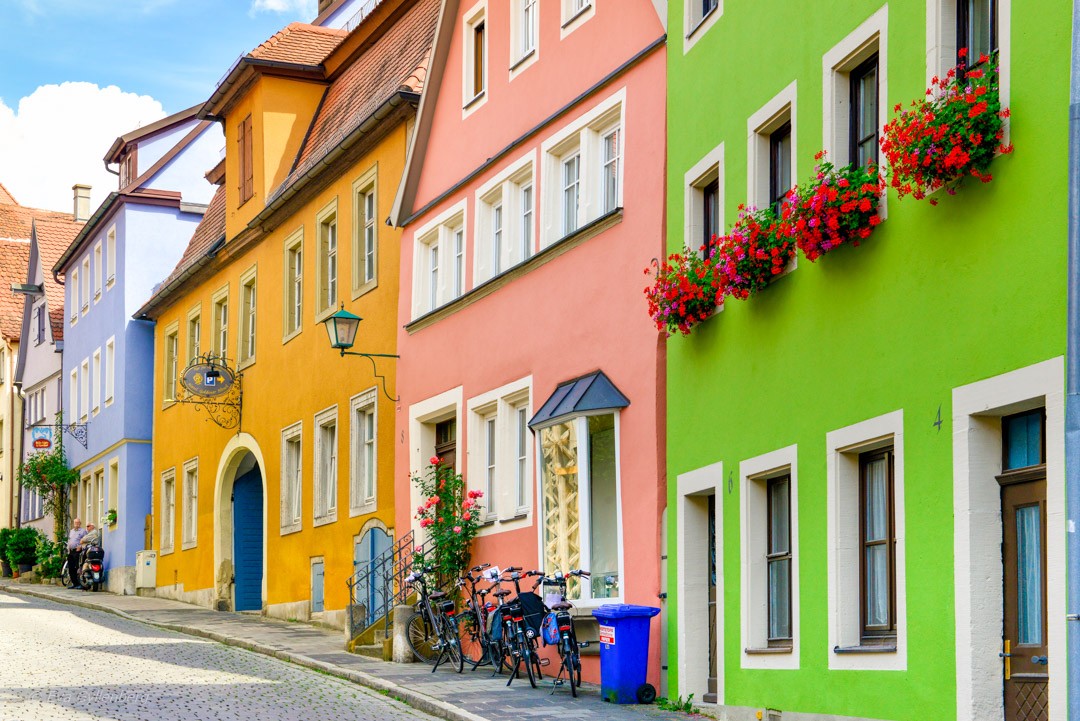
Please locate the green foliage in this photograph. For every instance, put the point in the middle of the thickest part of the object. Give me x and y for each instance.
(51, 555)
(47, 473)
(676, 704)
(450, 516)
(5, 536)
(22, 546)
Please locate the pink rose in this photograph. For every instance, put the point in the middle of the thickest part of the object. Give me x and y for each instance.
(466, 516)
(457, 529)
(435, 460)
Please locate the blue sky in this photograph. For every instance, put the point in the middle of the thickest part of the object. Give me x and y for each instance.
(172, 50)
(75, 74)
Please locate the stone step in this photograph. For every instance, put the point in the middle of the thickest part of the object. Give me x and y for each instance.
(375, 650)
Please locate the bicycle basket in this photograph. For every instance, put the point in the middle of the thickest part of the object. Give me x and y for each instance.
(549, 629)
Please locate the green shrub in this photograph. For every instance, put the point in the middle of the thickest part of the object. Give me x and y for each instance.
(51, 555)
(22, 546)
(5, 536)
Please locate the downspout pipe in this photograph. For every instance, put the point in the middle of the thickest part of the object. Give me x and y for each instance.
(1072, 383)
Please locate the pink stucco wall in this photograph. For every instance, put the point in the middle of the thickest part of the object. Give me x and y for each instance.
(579, 312)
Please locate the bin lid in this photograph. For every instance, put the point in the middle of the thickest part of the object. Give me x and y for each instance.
(624, 610)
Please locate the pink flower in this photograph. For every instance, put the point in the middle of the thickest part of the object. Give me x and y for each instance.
(466, 516)
(435, 460)
(457, 529)
(433, 500)
(420, 510)
(468, 503)
(426, 522)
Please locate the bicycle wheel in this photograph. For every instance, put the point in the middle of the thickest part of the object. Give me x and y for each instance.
(574, 675)
(452, 643)
(65, 576)
(422, 639)
(473, 639)
(527, 658)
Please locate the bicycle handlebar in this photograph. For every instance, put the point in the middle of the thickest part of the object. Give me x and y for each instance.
(512, 569)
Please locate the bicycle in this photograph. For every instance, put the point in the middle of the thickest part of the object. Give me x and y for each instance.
(558, 630)
(432, 632)
(519, 635)
(477, 646)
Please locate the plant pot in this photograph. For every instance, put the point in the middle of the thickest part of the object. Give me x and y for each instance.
(5, 568)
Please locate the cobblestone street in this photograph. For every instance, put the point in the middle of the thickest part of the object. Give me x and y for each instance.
(63, 662)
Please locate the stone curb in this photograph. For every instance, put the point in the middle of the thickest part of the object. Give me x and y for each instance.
(414, 699)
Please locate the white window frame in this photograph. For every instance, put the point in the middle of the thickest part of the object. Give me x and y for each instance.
(73, 393)
(84, 390)
(500, 499)
(97, 272)
(220, 299)
(95, 382)
(99, 497)
(759, 127)
(110, 258)
(84, 289)
(438, 234)
(194, 334)
(291, 517)
(248, 319)
(365, 270)
(113, 479)
(574, 14)
(168, 510)
(706, 170)
(170, 371)
(504, 190)
(695, 26)
(471, 98)
(323, 515)
(941, 45)
(327, 284)
(585, 137)
(110, 370)
(754, 610)
(423, 415)
(363, 500)
(190, 519)
(74, 302)
(584, 498)
(524, 35)
(843, 447)
(292, 316)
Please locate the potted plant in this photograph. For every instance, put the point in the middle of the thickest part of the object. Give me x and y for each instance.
(21, 549)
(110, 517)
(953, 132)
(838, 206)
(758, 249)
(5, 536)
(686, 289)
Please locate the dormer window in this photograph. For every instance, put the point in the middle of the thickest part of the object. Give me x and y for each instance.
(474, 57)
(129, 166)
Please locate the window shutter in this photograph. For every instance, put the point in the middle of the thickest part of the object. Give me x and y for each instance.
(249, 184)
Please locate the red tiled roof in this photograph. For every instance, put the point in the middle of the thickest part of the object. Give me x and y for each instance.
(15, 220)
(299, 43)
(14, 257)
(209, 229)
(397, 61)
(54, 235)
(6, 198)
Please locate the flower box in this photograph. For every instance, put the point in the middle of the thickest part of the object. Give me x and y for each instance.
(839, 206)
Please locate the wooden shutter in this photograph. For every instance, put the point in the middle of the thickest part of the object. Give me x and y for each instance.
(243, 140)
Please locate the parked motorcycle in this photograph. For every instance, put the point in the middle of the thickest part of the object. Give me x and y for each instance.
(92, 572)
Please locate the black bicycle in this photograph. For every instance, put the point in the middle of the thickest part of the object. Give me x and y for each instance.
(520, 618)
(558, 630)
(477, 645)
(432, 633)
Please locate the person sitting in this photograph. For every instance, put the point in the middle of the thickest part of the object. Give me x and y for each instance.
(75, 535)
(92, 538)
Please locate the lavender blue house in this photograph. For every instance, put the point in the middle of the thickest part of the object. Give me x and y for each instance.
(132, 240)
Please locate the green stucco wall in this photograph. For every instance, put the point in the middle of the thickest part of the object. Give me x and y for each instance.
(938, 297)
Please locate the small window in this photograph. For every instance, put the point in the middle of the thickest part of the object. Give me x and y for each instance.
(363, 461)
(328, 264)
(110, 370)
(523, 30)
(246, 177)
(490, 451)
(73, 391)
(294, 284)
(459, 261)
(73, 302)
(863, 121)
(1023, 440)
(190, 518)
(976, 29)
(326, 466)
(291, 478)
(39, 324)
(95, 365)
(168, 510)
(365, 235)
(84, 390)
(110, 257)
(85, 287)
(527, 221)
(779, 165)
(710, 215)
(571, 192)
(194, 336)
(521, 467)
(778, 560)
(700, 9)
(97, 272)
(475, 56)
(433, 276)
(612, 149)
(114, 487)
(248, 308)
(878, 543)
(221, 322)
(172, 361)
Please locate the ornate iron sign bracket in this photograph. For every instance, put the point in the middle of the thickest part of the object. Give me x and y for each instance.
(77, 431)
(209, 383)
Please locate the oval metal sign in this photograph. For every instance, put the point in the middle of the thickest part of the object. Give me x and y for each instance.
(206, 380)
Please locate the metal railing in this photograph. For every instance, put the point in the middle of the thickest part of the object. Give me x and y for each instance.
(379, 585)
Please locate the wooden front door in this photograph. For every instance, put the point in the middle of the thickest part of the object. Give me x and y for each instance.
(1024, 648)
(446, 442)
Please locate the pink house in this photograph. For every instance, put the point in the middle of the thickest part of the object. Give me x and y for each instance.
(533, 191)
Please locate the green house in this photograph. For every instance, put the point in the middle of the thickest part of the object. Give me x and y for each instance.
(866, 456)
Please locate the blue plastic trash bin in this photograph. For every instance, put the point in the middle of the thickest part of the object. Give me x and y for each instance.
(624, 652)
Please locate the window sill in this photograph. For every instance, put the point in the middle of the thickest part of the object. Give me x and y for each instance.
(576, 16)
(108, 401)
(246, 363)
(882, 648)
(292, 334)
(523, 59)
(365, 288)
(545, 255)
(291, 529)
(110, 282)
(367, 508)
(322, 315)
(325, 520)
(475, 101)
(188, 545)
(770, 651)
(166, 404)
(516, 517)
(165, 551)
(701, 22)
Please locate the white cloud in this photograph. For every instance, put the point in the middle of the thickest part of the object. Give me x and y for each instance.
(304, 10)
(58, 135)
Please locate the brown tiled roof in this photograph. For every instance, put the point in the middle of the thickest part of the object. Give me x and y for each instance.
(15, 220)
(299, 43)
(14, 257)
(208, 231)
(397, 61)
(6, 198)
(54, 235)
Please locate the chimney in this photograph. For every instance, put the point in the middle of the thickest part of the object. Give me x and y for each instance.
(323, 4)
(82, 201)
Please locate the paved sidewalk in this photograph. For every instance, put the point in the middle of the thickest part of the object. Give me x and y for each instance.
(472, 696)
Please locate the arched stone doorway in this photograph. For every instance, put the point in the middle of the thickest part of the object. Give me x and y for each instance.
(240, 527)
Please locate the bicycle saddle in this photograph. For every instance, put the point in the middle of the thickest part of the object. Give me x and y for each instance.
(501, 592)
(435, 595)
(482, 592)
(561, 606)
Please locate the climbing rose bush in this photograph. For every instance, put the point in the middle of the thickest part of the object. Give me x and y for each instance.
(686, 289)
(951, 133)
(449, 515)
(838, 206)
(759, 247)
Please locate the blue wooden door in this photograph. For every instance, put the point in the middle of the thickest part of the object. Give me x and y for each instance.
(317, 587)
(372, 593)
(248, 541)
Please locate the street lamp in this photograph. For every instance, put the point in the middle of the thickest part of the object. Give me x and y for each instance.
(341, 327)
